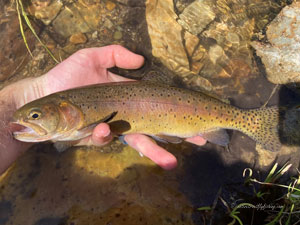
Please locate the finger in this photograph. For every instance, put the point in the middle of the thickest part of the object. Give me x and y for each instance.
(113, 55)
(101, 136)
(147, 147)
(87, 66)
(197, 140)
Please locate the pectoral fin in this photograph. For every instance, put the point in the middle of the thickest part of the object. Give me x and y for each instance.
(219, 137)
(90, 127)
(167, 139)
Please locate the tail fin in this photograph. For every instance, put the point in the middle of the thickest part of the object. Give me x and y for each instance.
(263, 126)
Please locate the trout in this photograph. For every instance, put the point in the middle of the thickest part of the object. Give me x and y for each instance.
(163, 112)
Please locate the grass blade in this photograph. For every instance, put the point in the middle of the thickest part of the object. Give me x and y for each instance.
(24, 14)
(21, 28)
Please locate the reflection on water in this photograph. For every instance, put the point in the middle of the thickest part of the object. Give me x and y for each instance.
(203, 44)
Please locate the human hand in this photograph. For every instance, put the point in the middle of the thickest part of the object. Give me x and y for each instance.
(85, 67)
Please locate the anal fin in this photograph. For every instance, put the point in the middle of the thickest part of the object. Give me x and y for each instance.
(219, 137)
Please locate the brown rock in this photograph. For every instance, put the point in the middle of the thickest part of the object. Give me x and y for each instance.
(165, 35)
(191, 41)
(110, 5)
(77, 18)
(45, 12)
(78, 38)
(196, 17)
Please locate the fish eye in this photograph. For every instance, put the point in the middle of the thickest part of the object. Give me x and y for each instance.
(35, 114)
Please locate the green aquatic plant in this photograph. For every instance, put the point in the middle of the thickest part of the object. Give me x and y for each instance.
(290, 199)
(236, 211)
(272, 202)
(22, 13)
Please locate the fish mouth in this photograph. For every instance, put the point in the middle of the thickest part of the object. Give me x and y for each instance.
(28, 132)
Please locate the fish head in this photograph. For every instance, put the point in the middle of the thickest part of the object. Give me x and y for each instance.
(46, 119)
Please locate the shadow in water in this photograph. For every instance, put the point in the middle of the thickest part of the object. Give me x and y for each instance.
(207, 176)
(289, 115)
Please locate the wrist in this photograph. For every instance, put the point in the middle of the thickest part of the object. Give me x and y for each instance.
(10, 148)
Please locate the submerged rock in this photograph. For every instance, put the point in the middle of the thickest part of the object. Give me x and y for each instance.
(281, 56)
(77, 18)
(196, 16)
(78, 38)
(13, 53)
(164, 32)
(177, 49)
(90, 187)
(44, 11)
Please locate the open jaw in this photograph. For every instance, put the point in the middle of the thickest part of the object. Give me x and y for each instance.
(29, 132)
